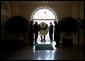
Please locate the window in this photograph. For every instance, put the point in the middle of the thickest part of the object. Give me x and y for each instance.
(43, 14)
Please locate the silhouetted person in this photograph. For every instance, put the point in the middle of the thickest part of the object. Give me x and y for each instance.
(56, 33)
(51, 32)
(31, 32)
(36, 29)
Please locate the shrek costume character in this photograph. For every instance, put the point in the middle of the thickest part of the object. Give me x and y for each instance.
(43, 30)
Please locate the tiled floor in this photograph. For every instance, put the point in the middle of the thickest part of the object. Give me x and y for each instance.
(61, 53)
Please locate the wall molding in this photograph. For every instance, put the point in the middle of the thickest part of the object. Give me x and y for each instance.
(4, 12)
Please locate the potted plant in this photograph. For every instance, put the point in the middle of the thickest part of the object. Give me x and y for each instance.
(68, 26)
(16, 25)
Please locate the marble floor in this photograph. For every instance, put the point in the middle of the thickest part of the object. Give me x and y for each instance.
(61, 53)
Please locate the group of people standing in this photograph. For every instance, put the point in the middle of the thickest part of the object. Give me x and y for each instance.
(56, 33)
(34, 28)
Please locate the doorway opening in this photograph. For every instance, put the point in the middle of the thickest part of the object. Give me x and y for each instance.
(46, 15)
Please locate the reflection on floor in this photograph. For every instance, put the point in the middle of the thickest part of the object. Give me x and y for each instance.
(61, 53)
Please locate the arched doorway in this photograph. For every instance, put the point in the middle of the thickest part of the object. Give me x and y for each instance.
(44, 14)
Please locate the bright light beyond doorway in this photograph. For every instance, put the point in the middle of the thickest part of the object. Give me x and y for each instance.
(47, 16)
(44, 14)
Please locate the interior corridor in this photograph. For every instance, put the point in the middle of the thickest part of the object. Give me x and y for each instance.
(16, 30)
